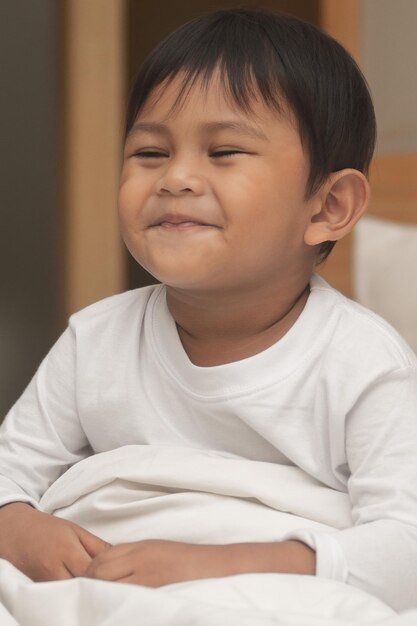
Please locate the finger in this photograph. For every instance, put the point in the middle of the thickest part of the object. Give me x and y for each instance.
(65, 573)
(135, 579)
(92, 544)
(110, 570)
(62, 573)
(114, 552)
(131, 580)
(78, 561)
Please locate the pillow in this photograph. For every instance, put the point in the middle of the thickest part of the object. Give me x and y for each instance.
(384, 270)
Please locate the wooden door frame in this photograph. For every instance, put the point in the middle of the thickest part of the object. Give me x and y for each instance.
(94, 91)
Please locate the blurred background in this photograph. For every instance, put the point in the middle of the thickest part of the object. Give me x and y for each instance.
(67, 67)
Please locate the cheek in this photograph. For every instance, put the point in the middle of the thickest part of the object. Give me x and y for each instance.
(131, 199)
(242, 196)
(124, 200)
(265, 184)
(123, 211)
(262, 200)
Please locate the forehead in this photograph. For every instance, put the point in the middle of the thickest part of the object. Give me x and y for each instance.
(210, 98)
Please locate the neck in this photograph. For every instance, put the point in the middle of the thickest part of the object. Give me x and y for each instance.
(221, 328)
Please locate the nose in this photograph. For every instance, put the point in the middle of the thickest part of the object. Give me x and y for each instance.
(180, 177)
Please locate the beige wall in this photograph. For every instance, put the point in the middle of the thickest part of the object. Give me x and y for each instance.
(389, 60)
(385, 249)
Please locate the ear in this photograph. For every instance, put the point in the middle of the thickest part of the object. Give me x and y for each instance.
(337, 206)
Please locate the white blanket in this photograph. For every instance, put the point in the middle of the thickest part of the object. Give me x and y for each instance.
(141, 492)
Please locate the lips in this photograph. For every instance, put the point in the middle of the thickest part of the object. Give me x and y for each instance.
(179, 219)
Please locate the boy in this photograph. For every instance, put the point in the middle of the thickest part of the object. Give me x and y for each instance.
(249, 136)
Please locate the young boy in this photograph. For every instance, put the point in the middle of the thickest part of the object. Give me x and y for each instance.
(249, 137)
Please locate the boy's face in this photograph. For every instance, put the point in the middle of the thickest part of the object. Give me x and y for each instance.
(212, 199)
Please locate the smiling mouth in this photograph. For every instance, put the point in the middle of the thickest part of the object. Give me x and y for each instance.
(179, 222)
(180, 225)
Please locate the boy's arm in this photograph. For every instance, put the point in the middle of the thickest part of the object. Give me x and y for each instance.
(42, 435)
(154, 563)
(379, 553)
(45, 547)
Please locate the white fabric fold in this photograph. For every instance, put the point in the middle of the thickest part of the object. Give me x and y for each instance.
(136, 492)
(330, 559)
(162, 480)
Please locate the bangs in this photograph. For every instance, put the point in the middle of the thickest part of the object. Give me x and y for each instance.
(237, 50)
(240, 89)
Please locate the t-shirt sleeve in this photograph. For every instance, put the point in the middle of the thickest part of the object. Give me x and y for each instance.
(42, 436)
(379, 552)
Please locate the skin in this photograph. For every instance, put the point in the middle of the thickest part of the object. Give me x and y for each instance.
(155, 562)
(45, 547)
(212, 203)
(238, 283)
(236, 265)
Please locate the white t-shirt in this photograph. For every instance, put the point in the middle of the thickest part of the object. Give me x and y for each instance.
(336, 396)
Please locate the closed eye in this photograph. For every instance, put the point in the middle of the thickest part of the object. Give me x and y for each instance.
(225, 153)
(150, 154)
(154, 154)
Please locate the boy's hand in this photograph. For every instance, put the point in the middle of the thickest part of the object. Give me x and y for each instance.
(45, 547)
(156, 562)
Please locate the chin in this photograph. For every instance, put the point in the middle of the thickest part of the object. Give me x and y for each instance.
(183, 283)
(186, 273)
(187, 282)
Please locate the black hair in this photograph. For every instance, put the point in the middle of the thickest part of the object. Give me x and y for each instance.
(286, 62)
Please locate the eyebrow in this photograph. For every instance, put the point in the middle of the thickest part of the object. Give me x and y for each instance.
(239, 127)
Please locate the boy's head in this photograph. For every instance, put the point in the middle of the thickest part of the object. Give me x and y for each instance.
(288, 64)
